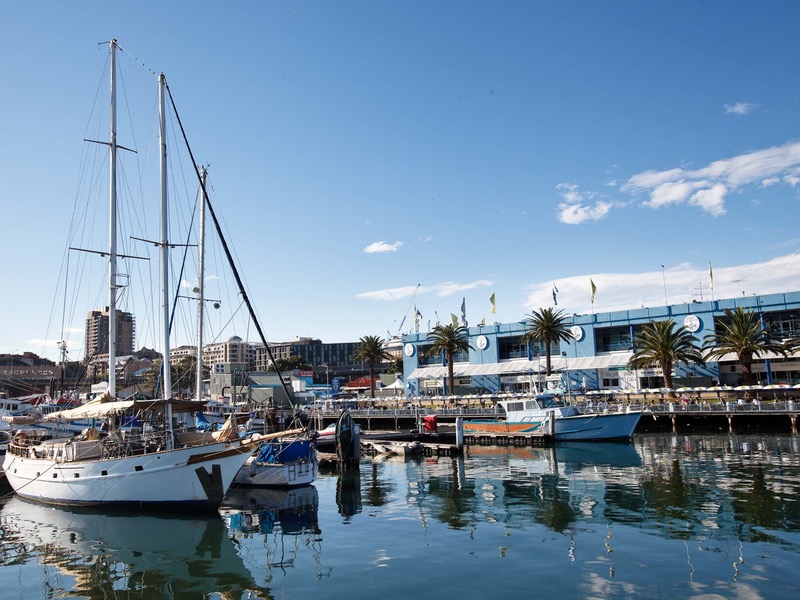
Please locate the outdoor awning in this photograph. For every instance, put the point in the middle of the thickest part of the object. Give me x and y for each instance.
(98, 409)
(91, 410)
(732, 357)
(524, 366)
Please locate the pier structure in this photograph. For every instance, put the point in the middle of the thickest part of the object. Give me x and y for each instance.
(727, 416)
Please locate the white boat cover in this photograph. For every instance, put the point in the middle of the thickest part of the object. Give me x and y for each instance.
(91, 410)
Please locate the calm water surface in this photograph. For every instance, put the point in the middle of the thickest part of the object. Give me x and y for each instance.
(664, 517)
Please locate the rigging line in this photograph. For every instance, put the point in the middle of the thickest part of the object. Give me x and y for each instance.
(134, 58)
(180, 272)
(225, 247)
(222, 329)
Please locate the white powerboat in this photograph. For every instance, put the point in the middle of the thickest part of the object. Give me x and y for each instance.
(533, 414)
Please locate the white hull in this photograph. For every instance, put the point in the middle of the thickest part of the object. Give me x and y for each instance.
(597, 427)
(195, 477)
(291, 474)
(538, 414)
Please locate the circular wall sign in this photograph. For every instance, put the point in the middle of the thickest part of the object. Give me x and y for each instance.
(409, 349)
(577, 332)
(692, 323)
(482, 342)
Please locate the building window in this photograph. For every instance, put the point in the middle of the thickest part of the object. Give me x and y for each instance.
(614, 339)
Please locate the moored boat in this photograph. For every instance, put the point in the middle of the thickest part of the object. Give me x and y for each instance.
(151, 467)
(280, 463)
(533, 414)
(155, 466)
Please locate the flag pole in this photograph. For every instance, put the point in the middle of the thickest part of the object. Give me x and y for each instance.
(711, 280)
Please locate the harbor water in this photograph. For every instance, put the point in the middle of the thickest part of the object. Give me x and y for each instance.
(664, 517)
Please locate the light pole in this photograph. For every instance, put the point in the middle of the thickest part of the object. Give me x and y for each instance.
(530, 382)
(327, 380)
(566, 374)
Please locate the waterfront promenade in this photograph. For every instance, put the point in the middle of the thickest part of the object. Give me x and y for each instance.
(670, 415)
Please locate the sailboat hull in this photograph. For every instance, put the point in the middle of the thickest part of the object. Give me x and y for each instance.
(194, 477)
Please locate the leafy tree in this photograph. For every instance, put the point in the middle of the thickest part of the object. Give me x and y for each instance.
(660, 343)
(741, 333)
(449, 339)
(182, 373)
(372, 351)
(547, 325)
(290, 364)
(396, 365)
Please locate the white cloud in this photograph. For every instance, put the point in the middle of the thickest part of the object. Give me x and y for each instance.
(389, 294)
(382, 246)
(577, 206)
(711, 200)
(739, 108)
(440, 289)
(448, 289)
(708, 187)
(684, 283)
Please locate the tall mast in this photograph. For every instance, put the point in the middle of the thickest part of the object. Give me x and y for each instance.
(164, 245)
(112, 231)
(201, 284)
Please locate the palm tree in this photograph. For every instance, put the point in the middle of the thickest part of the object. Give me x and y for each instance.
(741, 333)
(449, 339)
(372, 352)
(660, 343)
(546, 325)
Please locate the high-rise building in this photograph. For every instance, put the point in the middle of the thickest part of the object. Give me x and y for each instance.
(97, 333)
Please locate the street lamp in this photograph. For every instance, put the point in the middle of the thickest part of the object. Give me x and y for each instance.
(566, 374)
(327, 380)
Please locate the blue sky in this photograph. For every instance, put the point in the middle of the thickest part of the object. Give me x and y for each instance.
(373, 156)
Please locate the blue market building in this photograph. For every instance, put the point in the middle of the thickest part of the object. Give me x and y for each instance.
(598, 352)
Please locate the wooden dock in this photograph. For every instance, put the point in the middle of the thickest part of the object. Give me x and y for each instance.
(517, 439)
(375, 446)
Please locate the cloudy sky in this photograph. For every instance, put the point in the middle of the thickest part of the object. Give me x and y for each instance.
(373, 157)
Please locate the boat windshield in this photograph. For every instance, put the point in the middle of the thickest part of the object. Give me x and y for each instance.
(550, 402)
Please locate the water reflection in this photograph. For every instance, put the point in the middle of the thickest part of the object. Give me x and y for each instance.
(272, 510)
(676, 487)
(664, 517)
(121, 555)
(272, 527)
(348, 493)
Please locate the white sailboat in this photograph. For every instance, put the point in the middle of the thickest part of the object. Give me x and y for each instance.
(151, 466)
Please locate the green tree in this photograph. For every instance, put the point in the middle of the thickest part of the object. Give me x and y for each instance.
(661, 344)
(741, 333)
(372, 351)
(182, 374)
(396, 365)
(547, 325)
(290, 364)
(449, 339)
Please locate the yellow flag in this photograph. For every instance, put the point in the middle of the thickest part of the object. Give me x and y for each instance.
(710, 275)
(494, 307)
